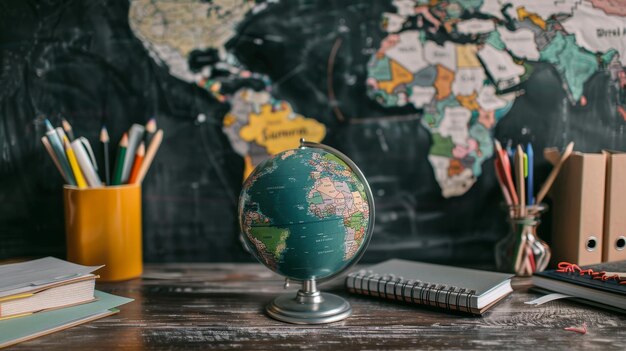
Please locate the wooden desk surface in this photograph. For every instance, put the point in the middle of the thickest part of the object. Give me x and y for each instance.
(221, 306)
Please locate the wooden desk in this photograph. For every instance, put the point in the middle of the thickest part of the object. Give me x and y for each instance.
(221, 306)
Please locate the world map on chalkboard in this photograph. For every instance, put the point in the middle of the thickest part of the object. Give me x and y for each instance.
(413, 91)
(462, 62)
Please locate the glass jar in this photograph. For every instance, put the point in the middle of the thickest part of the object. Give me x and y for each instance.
(521, 251)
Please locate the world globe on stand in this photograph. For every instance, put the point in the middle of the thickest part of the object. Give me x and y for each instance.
(307, 214)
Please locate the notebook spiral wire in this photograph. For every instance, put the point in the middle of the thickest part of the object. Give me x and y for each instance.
(410, 291)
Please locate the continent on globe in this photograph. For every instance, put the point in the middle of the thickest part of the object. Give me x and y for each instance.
(305, 213)
(270, 241)
(333, 197)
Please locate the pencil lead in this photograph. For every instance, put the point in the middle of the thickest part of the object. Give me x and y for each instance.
(104, 134)
(66, 125)
(141, 150)
(124, 141)
(151, 126)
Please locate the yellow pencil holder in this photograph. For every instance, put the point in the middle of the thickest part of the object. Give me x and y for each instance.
(103, 227)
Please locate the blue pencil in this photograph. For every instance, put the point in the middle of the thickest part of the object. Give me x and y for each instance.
(529, 179)
(59, 151)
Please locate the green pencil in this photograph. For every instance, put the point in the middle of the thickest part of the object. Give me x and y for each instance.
(119, 163)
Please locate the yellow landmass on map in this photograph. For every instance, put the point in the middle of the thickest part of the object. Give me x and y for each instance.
(229, 119)
(468, 101)
(443, 82)
(466, 56)
(399, 75)
(279, 130)
(522, 14)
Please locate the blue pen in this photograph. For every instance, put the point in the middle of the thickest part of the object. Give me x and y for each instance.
(529, 179)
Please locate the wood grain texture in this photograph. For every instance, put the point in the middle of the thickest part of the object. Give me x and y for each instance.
(220, 306)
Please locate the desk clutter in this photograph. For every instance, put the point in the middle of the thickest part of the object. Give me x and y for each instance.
(77, 163)
(46, 295)
(602, 285)
(588, 202)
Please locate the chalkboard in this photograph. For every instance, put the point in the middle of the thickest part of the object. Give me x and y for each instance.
(186, 64)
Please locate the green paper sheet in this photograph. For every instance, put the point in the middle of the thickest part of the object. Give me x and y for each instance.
(18, 328)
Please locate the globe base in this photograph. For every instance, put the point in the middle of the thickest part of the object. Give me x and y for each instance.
(328, 308)
(309, 306)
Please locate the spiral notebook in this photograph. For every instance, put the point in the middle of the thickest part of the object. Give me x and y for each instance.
(443, 287)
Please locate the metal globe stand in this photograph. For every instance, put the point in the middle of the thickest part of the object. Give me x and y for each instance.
(309, 306)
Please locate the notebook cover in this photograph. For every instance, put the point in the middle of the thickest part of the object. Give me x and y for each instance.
(587, 281)
(24, 328)
(472, 279)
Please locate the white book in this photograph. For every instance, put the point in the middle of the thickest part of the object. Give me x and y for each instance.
(63, 294)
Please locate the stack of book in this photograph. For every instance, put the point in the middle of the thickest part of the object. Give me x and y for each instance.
(46, 295)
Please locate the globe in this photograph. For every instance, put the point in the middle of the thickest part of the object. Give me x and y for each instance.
(307, 213)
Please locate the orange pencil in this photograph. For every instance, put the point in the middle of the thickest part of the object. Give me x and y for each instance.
(141, 152)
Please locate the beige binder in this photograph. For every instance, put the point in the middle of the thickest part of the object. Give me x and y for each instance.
(578, 210)
(614, 241)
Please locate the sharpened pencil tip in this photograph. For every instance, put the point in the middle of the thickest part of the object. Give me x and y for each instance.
(66, 125)
(151, 126)
(124, 141)
(104, 134)
(49, 125)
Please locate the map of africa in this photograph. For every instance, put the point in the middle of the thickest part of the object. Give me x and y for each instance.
(305, 213)
(464, 84)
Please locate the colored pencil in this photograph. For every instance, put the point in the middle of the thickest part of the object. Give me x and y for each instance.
(501, 182)
(152, 150)
(139, 156)
(92, 156)
(85, 164)
(49, 126)
(543, 191)
(61, 134)
(68, 129)
(50, 151)
(135, 135)
(57, 146)
(104, 139)
(519, 178)
(151, 128)
(506, 170)
(80, 180)
(119, 163)
(530, 187)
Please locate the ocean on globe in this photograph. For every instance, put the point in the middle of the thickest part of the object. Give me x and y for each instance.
(305, 213)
